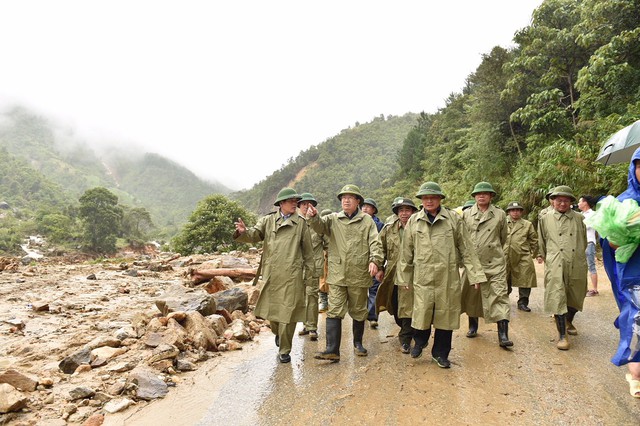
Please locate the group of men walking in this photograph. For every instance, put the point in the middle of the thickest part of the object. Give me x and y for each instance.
(410, 266)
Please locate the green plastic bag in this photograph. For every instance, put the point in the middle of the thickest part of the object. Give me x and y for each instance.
(618, 222)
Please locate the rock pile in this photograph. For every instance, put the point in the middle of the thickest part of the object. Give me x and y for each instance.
(78, 342)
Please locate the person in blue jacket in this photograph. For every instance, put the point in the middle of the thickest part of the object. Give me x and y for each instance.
(625, 284)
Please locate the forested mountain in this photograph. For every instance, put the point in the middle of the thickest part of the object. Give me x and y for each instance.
(364, 155)
(43, 165)
(535, 116)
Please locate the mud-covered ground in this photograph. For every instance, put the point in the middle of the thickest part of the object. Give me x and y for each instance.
(534, 383)
(53, 308)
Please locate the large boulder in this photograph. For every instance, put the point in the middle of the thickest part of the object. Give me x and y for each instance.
(200, 331)
(149, 386)
(231, 300)
(19, 380)
(179, 298)
(11, 399)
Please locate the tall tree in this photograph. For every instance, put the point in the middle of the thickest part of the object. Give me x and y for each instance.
(101, 215)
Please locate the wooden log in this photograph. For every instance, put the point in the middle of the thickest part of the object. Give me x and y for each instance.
(200, 276)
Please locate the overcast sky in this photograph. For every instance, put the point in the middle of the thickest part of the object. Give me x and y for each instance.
(233, 89)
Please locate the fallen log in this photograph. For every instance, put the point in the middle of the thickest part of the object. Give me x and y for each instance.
(200, 276)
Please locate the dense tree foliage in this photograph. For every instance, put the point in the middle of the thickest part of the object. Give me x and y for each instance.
(210, 227)
(535, 116)
(102, 218)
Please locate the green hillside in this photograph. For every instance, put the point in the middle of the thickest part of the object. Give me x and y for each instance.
(43, 163)
(365, 155)
(22, 187)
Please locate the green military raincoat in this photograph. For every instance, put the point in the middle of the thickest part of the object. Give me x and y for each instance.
(563, 241)
(287, 252)
(429, 262)
(520, 250)
(488, 231)
(391, 239)
(353, 244)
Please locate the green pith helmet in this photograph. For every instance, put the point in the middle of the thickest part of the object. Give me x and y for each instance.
(403, 202)
(396, 201)
(325, 212)
(514, 205)
(430, 188)
(548, 194)
(306, 196)
(468, 204)
(353, 190)
(372, 203)
(286, 194)
(482, 187)
(562, 191)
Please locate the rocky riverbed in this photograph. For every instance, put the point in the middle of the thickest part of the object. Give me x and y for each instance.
(80, 339)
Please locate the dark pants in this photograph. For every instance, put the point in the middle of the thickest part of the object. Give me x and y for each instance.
(523, 295)
(373, 290)
(406, 331)
(441, 341)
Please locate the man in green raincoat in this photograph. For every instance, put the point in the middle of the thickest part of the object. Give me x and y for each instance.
(354, 257)
(488, 228)
(398, 304)
(287, 253)
(520, 250)
(563, 241)
(433, 239)
(312, 278)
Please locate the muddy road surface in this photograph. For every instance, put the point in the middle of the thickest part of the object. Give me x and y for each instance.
(534, 383)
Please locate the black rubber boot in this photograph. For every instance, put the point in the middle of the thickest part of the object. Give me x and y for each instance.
(358, 332)
(503, 334)
(561, 324)
(473, 327)
(334, 334)
(571, 314)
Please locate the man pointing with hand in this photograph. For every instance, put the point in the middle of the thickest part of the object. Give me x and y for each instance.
(287, 251)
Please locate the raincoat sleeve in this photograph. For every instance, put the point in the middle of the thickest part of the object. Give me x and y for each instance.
(503, 232)
(468, 254)
(375, 248)
(542, 247)
(532, 236)
(307, 253)
(322, 225)
(404, 270)
(253, 234)
(382, 239)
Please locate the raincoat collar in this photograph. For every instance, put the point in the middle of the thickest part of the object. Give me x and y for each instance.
(442, 214)
(482, 216)
(633, 188)
(358, 216)
(292, 219)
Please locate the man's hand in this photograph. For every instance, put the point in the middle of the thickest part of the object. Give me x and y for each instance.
(373, 269)
(241, 228)
(312, 211)
(476, 286)
(380, 275)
